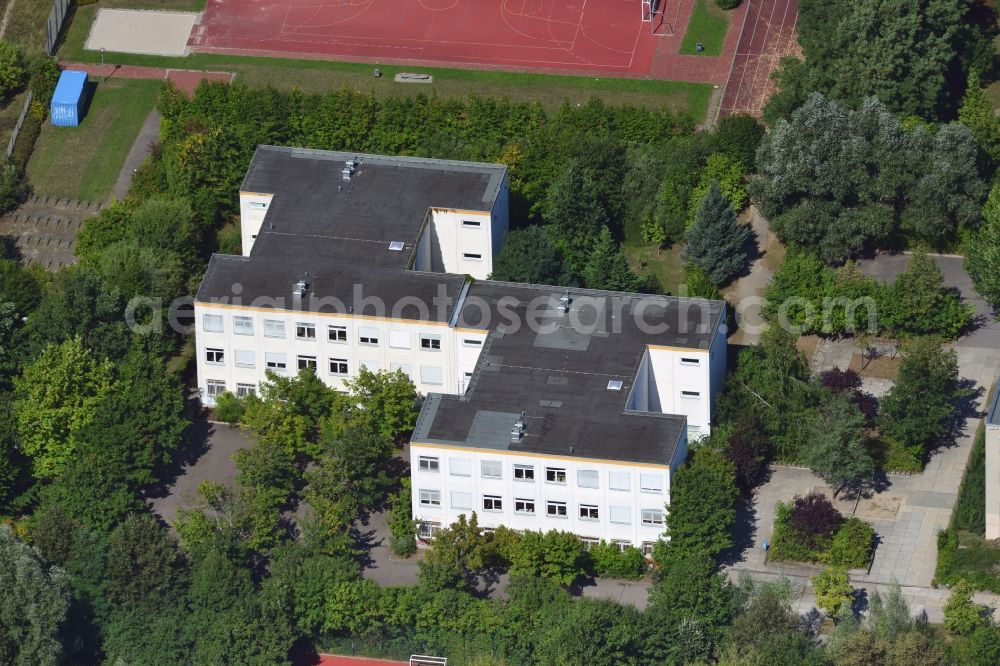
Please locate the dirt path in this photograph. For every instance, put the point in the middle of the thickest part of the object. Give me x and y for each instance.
(746, 294)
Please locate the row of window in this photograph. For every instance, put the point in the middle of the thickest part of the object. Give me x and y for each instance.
(367, 335)
(585, 478)
(278, 362)
(216, 387)
(620, 515)
(428, 530)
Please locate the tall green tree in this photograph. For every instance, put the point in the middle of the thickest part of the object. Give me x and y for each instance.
(33, 602)
(835, 449)
(145, 568)
(57, 397)
(457, 555)
(982, 252)
(607, 267)
(382, 402)
(976, 113)
(529, 256)
(717, 242)
(917, 302)
(576, 215)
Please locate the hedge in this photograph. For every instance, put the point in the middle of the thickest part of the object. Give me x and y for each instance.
(970, 508)
(850, 546)
(975, 562)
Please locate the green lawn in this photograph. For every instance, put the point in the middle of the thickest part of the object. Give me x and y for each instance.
(688, 99)
(708, 25)
(664, 265)
(84, 162)
(8, 116)
(26, 25)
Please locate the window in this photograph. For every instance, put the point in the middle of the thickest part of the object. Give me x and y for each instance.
(428, 530)
(430, 342)
(472, 256)
(431, 374)
(243, 325)
(274, 328)
(524, 472)
(622, 545)
(211, 323)
(492, 503)
(587, 478)
(368, 335)
(399, 339)
(652, 517)
(373, 366)
(428, 464)
(555, 509)
(430, 498)
(258, 204)
(244, 359)
(555, 475)
(215, 356)
(461, 500)
(243, 390)
(460, 466)
(405, 368)
(472, 342)
(651, 483)
(338, 366)
(589, 542)
(471, 224)
(588, 512)
(275, 361)
(647, 548)
(305, 331)
(690, 394)
(214, 387)
(492, 469)
(336, 334)
(619, 481)
(307, 362)
(526, 506)
(690, 361)
(620, 514)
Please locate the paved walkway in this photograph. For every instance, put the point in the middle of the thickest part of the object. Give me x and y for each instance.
(149, 134)
(746, 294)
(186, 80)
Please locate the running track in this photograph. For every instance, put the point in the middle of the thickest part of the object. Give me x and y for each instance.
(768, 35)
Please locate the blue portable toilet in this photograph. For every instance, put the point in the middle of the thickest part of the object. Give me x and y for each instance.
(67, 100)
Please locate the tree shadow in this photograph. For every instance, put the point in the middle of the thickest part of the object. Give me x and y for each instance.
(966, 407)
(193, 446)
(751, 248)
(744, 532)
(365, 541)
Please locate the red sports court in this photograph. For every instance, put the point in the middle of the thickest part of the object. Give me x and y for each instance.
(587, 35)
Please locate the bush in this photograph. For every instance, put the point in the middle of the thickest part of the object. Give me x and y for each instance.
(738, 136)
(11, 68)
(787, 544)
(723, 4)
(970, 508)
(852, 544)
(893, 456)
(608, 560)
(12, 187)
(833, 589)
(228, 408)
(976, 561)
(403, 532)
(815, 517)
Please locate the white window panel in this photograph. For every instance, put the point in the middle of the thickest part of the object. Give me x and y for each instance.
(306, 362)
(244, 358)
(212, 323)
(555, 509)
(690, 395)
(406, 368)
(472, 256)
(619, 481)
(492, 503)
(243, 390)
(589, 512)
(471, 224)
(651, 483)
(620, 514)
(525, 506)
(428, 464)
(243, 325)
(588, 478)
(652, 517)
(368, 335)
(431, 374)
(460, 466)
(472, 342)
(274, 328)
(492, 469)
(555, 475)
(430, 497)
(690, 361)
(461, 500)
(338, 366)
(214, 387)
(275, 361)
(399, 339)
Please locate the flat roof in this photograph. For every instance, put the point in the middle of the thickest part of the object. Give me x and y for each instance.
(993, 417)
(556, 368)
(336, 233)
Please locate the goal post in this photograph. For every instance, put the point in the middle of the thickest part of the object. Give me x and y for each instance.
(647, 10)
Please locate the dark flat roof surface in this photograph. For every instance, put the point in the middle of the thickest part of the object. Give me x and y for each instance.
(993, 418)
(339, 231)
(557, 372)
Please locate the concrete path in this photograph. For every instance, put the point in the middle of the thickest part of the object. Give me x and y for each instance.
(149, 134)
(746, 294)
(186, 80)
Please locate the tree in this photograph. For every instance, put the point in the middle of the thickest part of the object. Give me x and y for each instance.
(976, 113)
(702, 505)
(727, 174)
(589, 631)
(916, 410)
(739, 136)
(11, 68)
(553, 554)
(57, 397)
(145, 569)
(403, 532)
(962, 616)
(918, 303)
(167, 225)
(835, 449)
(14, 476)
(716, 241)
(458, 553)
(767, 615)
(228, 408)
(384, 402)
(833, 589)
(576, 214)
(21, 286)
(888, 613)
(34, 599)
(607, 267)
(134, 269)
(748, 449)
(690, 589)
(529, 256)
(982, 251)
(981, 648)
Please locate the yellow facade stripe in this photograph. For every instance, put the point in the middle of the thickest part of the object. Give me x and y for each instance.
(256, 194)
(547, 456)
(691, 350)
(460, 211)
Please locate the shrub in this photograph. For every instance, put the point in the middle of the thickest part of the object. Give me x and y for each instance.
(815, 517)
(976, 562)
(12, 188)
(608, 560)
(895, 457)
(961, 615)
(738, 136)
(228, 408)
(403, 532)
(723, 4)
(11, 68)
(852, 544)
(833, 589)
(787, 544)
(970, 508)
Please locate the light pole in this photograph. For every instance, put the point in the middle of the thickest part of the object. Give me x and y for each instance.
(104, 74)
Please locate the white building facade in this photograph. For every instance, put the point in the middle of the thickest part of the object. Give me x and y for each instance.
(993, 467)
